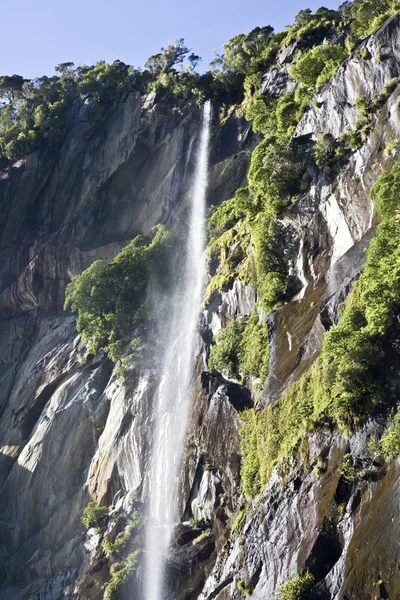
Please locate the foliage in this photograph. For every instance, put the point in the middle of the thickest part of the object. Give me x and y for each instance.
(297, 588)
(112, 300)
(239, 520)
(120, 573)
(204, 535)
(224, 356)
(242, 348)
(36, 113)
(368, 15)
(122, 540)
(349, 472)
(318, 65)
(389, 445)
(348, 382)
(93, 514)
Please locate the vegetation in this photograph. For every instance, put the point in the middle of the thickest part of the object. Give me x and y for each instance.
(244, 587)
(242, 348)
(120, 573)
(239, 520)
(115, 548)
(204, 535)
(93, 514)
(297, 588)
(35, 112)
(389, 446)
(113, 300)
(349, 380)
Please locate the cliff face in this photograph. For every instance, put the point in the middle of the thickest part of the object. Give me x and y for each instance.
(64, 426)
(70, 430)
(306, 518)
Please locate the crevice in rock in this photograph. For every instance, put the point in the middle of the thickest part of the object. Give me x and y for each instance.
(325, 553)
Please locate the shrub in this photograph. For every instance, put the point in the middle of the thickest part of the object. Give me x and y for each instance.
(297, 588)
(242, 348)
(93, 514)
(122, 539)
(389, 445)
(120, 573)
(318, 65)
(224, 356)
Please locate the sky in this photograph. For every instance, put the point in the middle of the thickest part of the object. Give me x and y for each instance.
(39, 34)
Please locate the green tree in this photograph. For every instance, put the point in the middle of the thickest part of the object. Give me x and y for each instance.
(11, 86)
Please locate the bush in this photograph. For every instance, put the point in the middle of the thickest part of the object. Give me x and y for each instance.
(297, 588)
(120, 573)
(93, 514)
(318, 65)
(389, 445)
(224, 356)
(242, 348)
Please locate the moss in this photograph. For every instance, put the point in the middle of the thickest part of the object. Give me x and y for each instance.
(204, 535)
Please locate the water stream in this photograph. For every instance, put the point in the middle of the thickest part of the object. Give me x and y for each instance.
(173, 398)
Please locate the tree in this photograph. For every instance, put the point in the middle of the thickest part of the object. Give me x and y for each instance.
(11, 86)
(194, 60)
(168, 57)
(64, 68)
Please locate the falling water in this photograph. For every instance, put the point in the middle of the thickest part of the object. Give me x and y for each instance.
(172, 403)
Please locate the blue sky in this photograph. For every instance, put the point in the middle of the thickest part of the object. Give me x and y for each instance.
(39, 34)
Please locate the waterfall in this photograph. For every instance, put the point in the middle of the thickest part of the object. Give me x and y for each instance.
(173, 397)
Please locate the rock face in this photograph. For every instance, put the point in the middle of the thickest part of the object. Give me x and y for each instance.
(67, 429)
(70, 431)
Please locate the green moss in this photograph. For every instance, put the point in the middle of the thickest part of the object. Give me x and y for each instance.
(297, 588)
(244, 587)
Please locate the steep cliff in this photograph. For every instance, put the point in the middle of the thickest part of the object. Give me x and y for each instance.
(73, 432)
